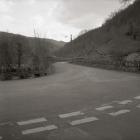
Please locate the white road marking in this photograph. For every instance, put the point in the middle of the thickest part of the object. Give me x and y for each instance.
(119, 112)
(39, 129)
(137, 97)
(37, 120)
(104, 108)
(125, 102)
(82, 121)
(0, 138)
(71, 114)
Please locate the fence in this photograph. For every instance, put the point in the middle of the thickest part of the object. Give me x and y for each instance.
(132, 66)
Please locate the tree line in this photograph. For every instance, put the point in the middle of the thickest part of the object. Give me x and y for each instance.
(22, 56)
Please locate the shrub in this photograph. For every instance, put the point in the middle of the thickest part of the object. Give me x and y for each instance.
(6, 76)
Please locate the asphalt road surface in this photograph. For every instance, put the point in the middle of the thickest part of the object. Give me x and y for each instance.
(75, 103)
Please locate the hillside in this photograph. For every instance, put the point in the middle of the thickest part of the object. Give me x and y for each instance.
(25, 56)
(118, 38)
(56, 45)
(51, 44)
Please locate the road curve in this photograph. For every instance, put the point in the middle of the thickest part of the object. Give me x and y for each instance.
(77, 102)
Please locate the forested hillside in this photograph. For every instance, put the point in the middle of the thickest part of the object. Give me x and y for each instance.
(117, 39)
(24, 56)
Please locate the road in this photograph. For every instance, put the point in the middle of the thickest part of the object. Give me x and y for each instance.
(75, 103)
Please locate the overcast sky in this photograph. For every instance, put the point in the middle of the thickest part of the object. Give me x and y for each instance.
(55, 19)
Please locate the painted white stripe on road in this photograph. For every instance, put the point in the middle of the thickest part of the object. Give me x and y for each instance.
(104, 108)
(137, 97)
(125, 102)
(85, 120)
(37, 120)
(71, 114)
(0, 138)
(119, 112)
(39, 129)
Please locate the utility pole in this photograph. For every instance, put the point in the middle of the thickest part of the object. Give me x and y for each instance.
(71, 38)
(35, 34)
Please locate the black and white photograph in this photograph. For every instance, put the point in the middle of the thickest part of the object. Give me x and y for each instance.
(69, 69)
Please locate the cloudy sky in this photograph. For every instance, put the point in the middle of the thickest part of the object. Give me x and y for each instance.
(55, 19)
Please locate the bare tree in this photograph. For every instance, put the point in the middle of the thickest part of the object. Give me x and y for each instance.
(19, 54)
(126, 1)
(40, 55)
(6, 55)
